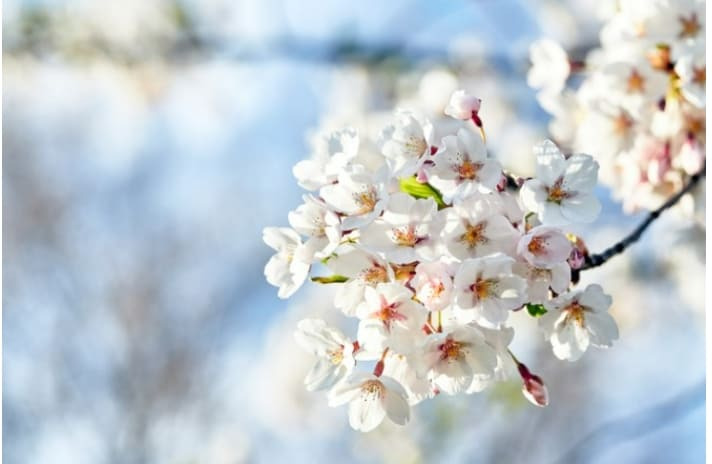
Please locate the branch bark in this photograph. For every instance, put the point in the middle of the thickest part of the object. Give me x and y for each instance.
(596, 260)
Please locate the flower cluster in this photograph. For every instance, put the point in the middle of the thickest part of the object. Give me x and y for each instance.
(641, 101)
(432, 248)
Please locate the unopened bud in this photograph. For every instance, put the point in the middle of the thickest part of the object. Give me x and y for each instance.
(533, 388)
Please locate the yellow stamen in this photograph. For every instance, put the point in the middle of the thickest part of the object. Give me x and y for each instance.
(474, 235)
(636, 82)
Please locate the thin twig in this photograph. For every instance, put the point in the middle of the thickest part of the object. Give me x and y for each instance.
(596, 260)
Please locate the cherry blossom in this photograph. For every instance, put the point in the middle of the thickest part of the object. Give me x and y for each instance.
(389, 318)
(333, 350)
(477, 227)
(562, 192)
(486, 289)
(286, 269)
(406, 144)
(461, 166)
(550, 66)
(454, 359)
(371, 399)
(463, 106)
(430, 254)
(578, 319)
(544, 247)
(406, 231)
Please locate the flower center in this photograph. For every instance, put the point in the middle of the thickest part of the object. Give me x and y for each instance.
(483, 288)
(622, 123)
(689, 27)
(659, 58)
(474, 235)
(373, 388)
(405, 236)
(416, 146)
(404, 271)
(367, 200)
(375, 274)
(699, 76)
(575, 312)
(537, 245)
(636, 82)
(337, 356)
(452, 350)
(556, 192)
(468, 170)
(388, 313)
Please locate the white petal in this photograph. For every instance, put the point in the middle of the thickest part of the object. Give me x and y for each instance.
(366, 412)
(581, 208)
(603, 329)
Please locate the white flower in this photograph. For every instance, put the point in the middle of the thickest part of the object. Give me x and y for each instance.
(406, 232)
(463, 106)
(370, 400)
(314, 219)
(540, 280)
(693, 78)
(499, 340)
(461, 166)
(433, 285)
(332, 153)
(399, 368)
(334, 350)
(476, 227)
(358, 194)
(486, 290)
(575, 320)
(289, 267)
(550, 66)
(562, 191)
(455, 358)
(406, 144)
(390, 318)
(544, 247)
(363, 270)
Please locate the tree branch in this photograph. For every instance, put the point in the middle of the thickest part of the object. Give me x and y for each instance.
(596, 260)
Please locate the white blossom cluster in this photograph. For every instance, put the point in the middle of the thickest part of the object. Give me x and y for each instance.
(432, 248)
(640, 100)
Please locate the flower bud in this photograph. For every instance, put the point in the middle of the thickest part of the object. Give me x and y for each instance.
(464, 106)
(533, 387)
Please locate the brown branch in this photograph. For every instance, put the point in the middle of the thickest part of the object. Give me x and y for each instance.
(596, 260)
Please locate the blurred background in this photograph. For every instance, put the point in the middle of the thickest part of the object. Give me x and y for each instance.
(147, 143)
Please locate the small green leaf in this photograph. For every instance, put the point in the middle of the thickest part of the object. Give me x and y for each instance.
(412, 187)
(332, 279)
(536, 310)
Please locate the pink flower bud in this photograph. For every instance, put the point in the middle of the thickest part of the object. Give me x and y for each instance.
(576, 259)
(533, 387)
(535, 391)
(464, 106)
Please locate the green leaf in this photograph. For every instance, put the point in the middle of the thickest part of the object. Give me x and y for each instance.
(536, 310)
(412, 187)
(332, 279)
